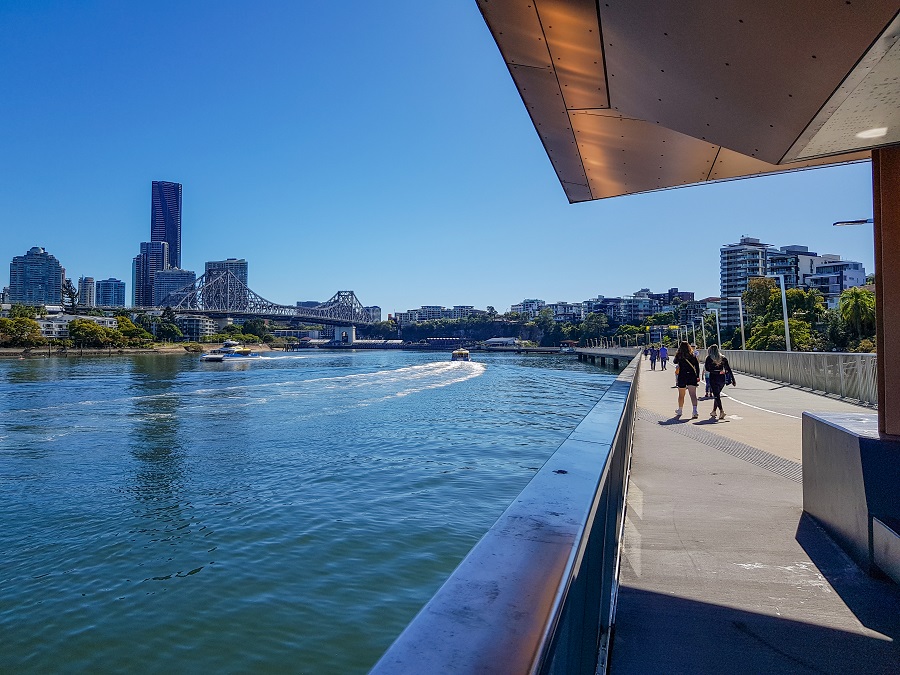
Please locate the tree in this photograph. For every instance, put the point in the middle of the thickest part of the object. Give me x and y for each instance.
(255, 327)
(168, 315)
(168, 331)
(70, 293)
(491, 311)
(87, 333)
(770, 337)
(23, 311)
(857, 309)
(758, 295)
(594, 325)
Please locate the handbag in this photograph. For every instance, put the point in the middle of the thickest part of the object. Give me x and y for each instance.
(729, 378)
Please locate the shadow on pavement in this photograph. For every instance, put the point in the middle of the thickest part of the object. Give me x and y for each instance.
(658, 633)
(875, 602)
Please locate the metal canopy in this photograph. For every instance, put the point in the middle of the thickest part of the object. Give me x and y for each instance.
(635, 95)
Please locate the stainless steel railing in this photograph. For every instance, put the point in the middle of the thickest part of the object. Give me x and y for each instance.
(851, 376)
(537, 594)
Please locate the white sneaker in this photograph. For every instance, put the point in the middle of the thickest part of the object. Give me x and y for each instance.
(695, 415)
(677, 412)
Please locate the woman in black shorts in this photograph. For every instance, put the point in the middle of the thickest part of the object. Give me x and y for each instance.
(688, 369)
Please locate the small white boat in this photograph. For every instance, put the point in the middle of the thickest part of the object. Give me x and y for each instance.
(230, 351)
(460, 355)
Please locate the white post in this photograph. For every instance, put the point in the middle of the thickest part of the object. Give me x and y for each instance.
(787, 330)
(718, 330)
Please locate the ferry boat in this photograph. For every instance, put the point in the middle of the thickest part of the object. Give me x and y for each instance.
(460, 355)
(230, 351)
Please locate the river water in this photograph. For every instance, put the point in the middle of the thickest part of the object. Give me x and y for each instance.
(291, 514)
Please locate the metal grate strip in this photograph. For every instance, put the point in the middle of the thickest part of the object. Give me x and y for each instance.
(761, 458)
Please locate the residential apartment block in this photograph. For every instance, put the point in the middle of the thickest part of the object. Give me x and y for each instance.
(36, 278)
(86, 292)
(797, 265)
(110, 293)
(169, 285)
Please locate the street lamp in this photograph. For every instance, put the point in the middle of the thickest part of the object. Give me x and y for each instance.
(787, 330)
(741, 312)
(718, 328)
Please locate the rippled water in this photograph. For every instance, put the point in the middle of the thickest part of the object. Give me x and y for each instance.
(285, 515)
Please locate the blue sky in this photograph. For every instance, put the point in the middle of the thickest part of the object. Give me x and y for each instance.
(378, 147)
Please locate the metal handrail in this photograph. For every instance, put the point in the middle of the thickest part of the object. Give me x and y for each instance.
(537, 594)
(850, 376)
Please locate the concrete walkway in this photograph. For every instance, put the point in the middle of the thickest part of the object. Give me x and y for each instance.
(721, 572)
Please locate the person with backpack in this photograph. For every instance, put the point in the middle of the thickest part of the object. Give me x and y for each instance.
(719, 375)
(687, 373)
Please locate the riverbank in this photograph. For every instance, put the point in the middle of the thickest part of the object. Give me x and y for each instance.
(44, 352)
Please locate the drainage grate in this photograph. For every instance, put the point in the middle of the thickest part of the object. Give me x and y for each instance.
(766, 460)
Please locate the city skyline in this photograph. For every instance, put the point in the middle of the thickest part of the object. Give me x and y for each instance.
(436, 191)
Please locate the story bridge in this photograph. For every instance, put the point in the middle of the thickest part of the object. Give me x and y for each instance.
(224, 294)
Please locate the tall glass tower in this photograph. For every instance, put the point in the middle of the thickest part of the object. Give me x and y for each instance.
(36, 278)
(165, 218)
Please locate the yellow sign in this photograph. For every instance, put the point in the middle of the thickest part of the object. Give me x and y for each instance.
(674, 327)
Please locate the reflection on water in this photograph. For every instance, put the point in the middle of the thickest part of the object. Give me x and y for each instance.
(290, 516)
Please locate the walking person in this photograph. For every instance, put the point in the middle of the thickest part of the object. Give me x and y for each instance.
(654, 352)
(663, 356)
(687, 369)
(720, 374)
(646, 352)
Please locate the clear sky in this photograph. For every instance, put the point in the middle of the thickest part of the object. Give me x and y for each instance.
(379, 147)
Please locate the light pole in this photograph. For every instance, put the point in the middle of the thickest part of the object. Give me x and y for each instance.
(787, 330)
(741, 312)
(694, 328)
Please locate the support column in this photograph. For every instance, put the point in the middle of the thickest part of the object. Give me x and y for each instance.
(886, 214)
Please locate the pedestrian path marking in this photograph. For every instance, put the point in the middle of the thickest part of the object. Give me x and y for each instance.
(766, 460)
(750, 405)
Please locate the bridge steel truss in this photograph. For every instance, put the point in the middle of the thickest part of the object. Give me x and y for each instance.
(222, 293)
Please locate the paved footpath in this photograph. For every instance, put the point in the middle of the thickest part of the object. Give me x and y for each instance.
(721, 571)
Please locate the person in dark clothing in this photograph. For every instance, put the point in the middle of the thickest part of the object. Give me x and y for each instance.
(719, 375)
(687, 369)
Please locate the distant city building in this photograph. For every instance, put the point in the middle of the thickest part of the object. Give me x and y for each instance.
(4, 295)
(169, 285)
(737, 264)
(36, 278)
(374, 313)
(633, 309)
(673, 296)
(796, 263)
(237, 266)
(153, 258)
(833, 277)
(566, 312)
(86, 292)
(110, 293)
(57, 327)
(530, 308)
(434, 313)
(196, 327)
(165, 219)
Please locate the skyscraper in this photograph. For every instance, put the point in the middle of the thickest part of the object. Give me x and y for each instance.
(110, 293)
(168, 283)
(737, 263)
(36, 278)
(86, 296)
(165, 218)
(237, 266)
(153, 257)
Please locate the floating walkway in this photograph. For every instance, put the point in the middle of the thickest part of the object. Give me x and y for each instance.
(721, 571)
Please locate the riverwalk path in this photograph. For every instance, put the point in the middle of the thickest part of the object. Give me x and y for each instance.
(721, 571)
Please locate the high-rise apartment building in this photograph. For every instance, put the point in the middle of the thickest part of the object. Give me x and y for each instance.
(86, 292)
(237, 266)
(169, 286)
(165, 219)
(110, 293)
(737, 263)
(833, 277)
(36, 278)
(153, 257)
